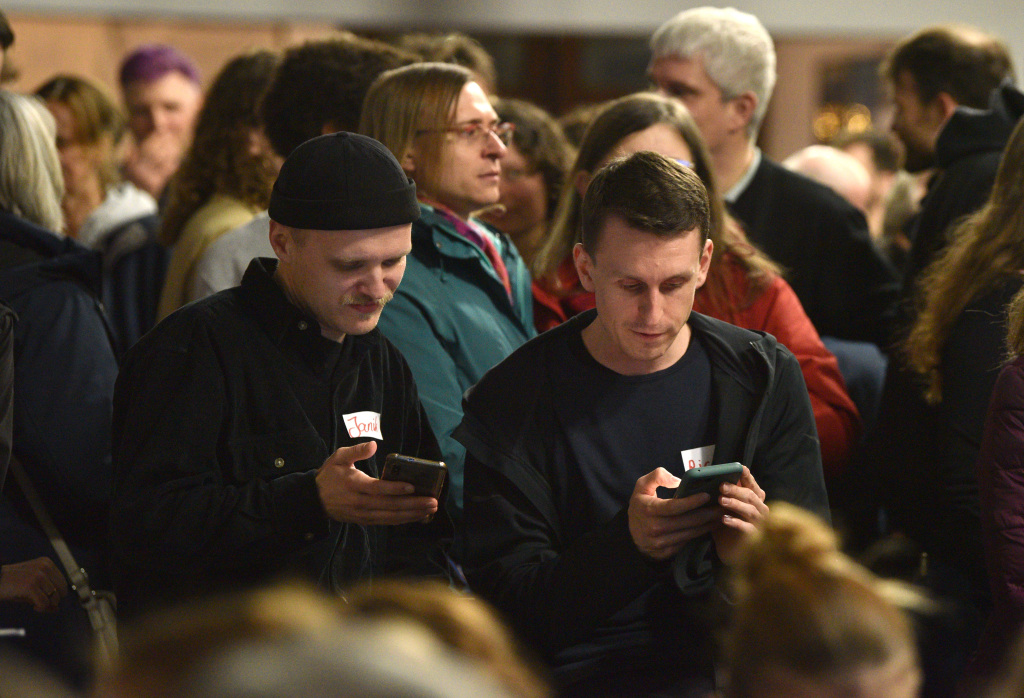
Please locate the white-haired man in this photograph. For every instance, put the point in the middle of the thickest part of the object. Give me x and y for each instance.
(721, 64)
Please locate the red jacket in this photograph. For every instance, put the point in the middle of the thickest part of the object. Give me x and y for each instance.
(776, 311)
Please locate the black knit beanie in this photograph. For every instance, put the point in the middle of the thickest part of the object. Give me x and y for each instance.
(343, 181)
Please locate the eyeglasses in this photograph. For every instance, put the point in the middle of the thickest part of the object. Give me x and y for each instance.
(475, 132)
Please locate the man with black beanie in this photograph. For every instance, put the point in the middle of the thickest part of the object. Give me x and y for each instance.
(250, 427)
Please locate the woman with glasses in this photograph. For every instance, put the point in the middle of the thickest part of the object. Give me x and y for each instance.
(743, 287)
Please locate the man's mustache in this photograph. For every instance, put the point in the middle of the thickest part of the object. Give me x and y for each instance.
(360, 299)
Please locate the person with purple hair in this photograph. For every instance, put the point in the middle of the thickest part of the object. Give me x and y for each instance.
(162, 95)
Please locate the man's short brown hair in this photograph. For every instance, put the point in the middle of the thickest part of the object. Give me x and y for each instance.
(649, 192)
(961, 61)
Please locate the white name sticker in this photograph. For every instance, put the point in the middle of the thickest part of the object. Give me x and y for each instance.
(697, 457)
(361, 424)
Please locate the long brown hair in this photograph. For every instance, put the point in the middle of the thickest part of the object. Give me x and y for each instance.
(983, 251)
(413, 102)
(220, 160)
(615, 121)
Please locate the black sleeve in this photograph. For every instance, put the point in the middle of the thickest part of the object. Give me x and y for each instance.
(554, 594)
(787, 462)
(417, 549)
(971, 361)
(859, 291)
(174, 508)
(7, 320)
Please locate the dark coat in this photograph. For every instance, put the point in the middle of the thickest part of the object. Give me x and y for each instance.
(922, 456)
(967, 154)
(222, 416)
(822, 242)
(557, 588)
(1000, 471)
(64, 378)
(134, 266)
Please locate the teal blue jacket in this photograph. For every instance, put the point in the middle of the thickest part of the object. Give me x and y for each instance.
(452, 320)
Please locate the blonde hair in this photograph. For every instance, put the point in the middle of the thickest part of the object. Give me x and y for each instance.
(806, 610)
(99, 124)
(462, 622)
(407, 103)
(31, 184)
(160, 649)
(986, 249)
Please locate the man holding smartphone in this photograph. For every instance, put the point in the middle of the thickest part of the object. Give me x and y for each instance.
(250, 427)
(569, 439)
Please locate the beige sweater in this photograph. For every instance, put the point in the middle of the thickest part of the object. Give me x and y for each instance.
(214, 218)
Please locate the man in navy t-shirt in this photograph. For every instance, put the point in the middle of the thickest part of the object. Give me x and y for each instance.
(569, 439)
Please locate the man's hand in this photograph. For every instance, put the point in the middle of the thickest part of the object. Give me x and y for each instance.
(37, 582)
(744, 509)
(351, 496)
(661, 527)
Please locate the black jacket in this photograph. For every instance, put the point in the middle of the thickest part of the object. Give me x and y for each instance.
(64, 371)
(967, 153)
(558, 591)
(134, 266)
(222, 416)
(823, 245)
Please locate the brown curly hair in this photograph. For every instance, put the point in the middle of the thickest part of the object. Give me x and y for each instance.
(220, 160)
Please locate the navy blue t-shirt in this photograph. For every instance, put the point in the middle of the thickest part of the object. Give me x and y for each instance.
(613, 429)
(619, 428)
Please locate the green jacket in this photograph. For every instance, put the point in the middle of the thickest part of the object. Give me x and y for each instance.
(452, 320)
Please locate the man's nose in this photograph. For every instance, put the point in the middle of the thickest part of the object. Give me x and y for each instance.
(374, 283)
(651, 305)
(494, 147)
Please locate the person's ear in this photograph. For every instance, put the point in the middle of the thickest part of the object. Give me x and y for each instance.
(742, 110)
(705, 262)
(584, 266)
(409, 160)
(581, 182)
(281, 239)
(944, 106)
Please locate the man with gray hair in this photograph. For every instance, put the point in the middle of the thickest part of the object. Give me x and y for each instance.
(721, 64)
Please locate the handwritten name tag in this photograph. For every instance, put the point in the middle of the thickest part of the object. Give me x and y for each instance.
(697, 457)
(360, 424)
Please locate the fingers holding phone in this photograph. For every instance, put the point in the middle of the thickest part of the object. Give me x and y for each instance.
(661, 527)
(350, 495)
(744, 508)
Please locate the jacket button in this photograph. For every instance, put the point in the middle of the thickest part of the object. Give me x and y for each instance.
(303, 325)
(279, 462)
(309, 536)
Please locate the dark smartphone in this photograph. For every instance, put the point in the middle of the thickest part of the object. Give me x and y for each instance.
(708, 479)
(426, 476)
